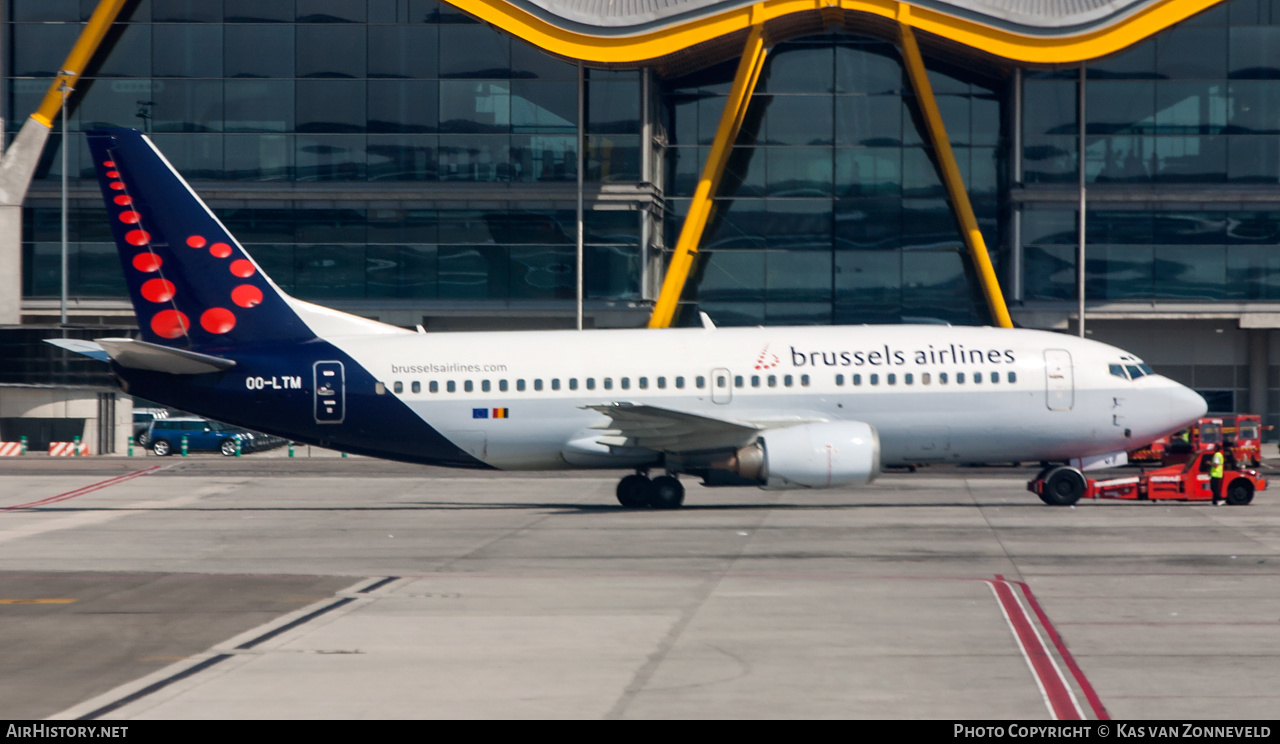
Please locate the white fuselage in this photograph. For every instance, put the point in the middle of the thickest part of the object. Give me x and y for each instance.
(515, 400)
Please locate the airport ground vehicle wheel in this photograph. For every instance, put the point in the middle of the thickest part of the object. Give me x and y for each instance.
(1063, 487)
(1240, 492)
(633, 491)
(666, 492)
(144, 440)
(162, 448)
(228, 447)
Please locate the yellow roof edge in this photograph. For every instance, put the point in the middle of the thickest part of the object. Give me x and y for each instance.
(658, 44)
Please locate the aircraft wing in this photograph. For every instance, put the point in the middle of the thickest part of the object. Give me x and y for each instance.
(667, 430)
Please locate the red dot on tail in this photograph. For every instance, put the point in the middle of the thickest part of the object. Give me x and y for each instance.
(113, 174)
(109, 163)
(246, 295)
(138, 237)
(117, 186)
(218, 320)
(130, 217)
(170, 324)
(242, 268)
(123, 199)
(196, 241)
(220, 250)
(147, 262)
(158, 290)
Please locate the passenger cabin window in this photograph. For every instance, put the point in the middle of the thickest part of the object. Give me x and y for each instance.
(451, 386)
(977, 377)
(643, 383)
(573, 383)
(433, 386)
(484, 386)
(839, 380)
(773, 380)
(738, 381)
(1013, 377)
(502, 386)
(537, 384)
(625, 383)
(700, 382)
(787, 380)
(398, 387)
(892, 379)
(924, 378)
(680, 383)
(608, 383)
(468, 385)
(875, 379)
(908, 378)
(591, 383)
(857, 379)
(520, 386)
(415, 386)
(662, 383)
(959, 378)
(380, 388)
(555, 383)
(942, 378)
(995, 377)
(804, 380)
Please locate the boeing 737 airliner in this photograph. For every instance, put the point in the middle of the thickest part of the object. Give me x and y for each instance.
(808, 407)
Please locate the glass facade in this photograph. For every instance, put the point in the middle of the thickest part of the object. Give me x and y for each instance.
(396, 151)
(831, 209)
(1188, 120)
(414, 123)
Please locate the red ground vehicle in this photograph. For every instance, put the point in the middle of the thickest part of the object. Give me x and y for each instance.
(1187, 481)
(1243, 432)
(1174, 449)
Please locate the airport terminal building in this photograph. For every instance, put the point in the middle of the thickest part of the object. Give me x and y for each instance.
(424, 163)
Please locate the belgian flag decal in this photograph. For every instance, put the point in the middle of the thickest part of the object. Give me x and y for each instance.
(501, 413)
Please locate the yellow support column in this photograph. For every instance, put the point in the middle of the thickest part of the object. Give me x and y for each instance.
(951, 176)
(735, 109)
(92, 35)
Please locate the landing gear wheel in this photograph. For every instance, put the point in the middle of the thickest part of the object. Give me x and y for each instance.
(633, 491)
(1240, 493)
(1063, 487)
(227, 448)
(665, 492)
(161, 448)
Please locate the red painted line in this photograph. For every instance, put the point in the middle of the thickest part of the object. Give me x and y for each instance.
(1090, 694)
(1056, 692)
(84, 489)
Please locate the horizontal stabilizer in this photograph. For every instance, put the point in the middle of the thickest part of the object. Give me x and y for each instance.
(142, 355)
(80, 346)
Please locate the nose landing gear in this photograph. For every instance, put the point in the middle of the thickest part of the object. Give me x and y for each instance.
(637, 492)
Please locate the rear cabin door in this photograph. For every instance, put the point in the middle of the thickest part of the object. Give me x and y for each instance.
(1059, 383)
(330, 393)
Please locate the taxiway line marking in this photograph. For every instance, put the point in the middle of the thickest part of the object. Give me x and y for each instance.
(1049, 678)
(35, 601)
(1090, 694)
(83, 489)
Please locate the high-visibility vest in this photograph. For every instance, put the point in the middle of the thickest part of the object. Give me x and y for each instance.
(1215, 469)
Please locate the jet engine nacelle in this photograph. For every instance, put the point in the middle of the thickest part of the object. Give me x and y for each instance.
(842, 453)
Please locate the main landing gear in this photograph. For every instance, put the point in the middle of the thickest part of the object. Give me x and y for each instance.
(637, 492)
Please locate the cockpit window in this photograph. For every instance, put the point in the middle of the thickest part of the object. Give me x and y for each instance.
(1118, 371)
(1134, 371)
(1146, 369)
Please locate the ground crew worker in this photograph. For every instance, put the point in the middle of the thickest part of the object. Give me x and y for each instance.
(1215, 473)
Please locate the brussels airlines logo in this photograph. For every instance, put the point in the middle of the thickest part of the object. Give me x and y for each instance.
(886, 356)
(767, 360)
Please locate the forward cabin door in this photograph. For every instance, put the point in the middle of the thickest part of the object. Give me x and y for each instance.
(1059, 383)
(330, 393)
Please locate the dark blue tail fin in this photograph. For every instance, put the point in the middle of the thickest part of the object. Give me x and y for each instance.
(192, 285)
